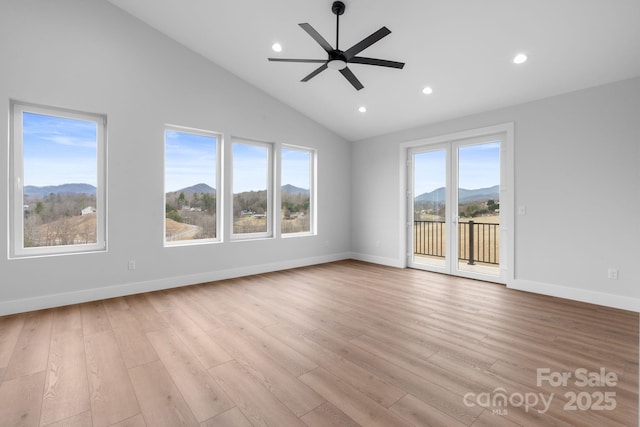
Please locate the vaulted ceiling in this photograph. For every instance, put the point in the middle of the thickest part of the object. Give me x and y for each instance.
(462, 49)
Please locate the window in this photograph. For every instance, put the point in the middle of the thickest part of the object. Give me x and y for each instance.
(252, 183)
(58, 197)
(191, 180)
(297, 190)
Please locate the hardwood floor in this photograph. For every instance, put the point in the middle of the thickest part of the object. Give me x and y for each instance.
(340, 344)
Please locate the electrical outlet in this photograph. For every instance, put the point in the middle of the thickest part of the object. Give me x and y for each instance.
(612, 274)
(132, 264)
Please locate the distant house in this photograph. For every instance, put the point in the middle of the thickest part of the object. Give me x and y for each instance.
(286, 214)
(88, 210)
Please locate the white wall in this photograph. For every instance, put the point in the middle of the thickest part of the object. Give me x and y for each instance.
(577, 158)
(90, 56)
(577, 171)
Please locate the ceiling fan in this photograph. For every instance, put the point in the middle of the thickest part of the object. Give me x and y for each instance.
(338, 59)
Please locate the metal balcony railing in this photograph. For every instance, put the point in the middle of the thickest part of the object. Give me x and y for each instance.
(478, 241)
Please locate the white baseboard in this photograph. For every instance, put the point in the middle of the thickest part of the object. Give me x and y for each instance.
(391, 262)
(61, 299)
(582, 295)
(67, 298)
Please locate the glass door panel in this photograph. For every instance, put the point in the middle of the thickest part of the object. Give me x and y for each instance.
(454, 207)
(430, 208)
(478, 208)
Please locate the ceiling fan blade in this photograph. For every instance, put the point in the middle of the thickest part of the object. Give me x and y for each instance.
(317, 37)
(374, 61)
(346, 72)
(314, 61)
(315, 72)
(365, 43)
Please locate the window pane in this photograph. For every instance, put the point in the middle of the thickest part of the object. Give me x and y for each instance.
(60, 173)
(190, 185)
(250, 188)
(296, 191)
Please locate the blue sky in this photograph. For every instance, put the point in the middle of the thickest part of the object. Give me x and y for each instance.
(479, 167)
(250, 167)
(296, 168)
(58, 150)
(61, 151)
(189, 160)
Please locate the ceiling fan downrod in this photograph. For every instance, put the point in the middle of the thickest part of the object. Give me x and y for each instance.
(338, 9)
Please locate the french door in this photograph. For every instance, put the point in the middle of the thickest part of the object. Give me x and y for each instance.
(454, 210)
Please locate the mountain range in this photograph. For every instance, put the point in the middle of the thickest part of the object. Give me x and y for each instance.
(464, 195)
(436, 195)
(198, 188)
(205, 188)
(32, 190)
(293, 190)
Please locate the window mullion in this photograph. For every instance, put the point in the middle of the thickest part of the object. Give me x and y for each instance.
(277, 193)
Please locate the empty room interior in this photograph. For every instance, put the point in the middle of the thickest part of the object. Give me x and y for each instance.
(320, 213)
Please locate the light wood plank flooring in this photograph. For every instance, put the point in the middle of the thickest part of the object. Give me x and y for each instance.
(339, 344)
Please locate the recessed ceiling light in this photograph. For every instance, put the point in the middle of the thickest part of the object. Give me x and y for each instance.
(362, 109)
(277, 47)
(427, 90)
(520, 58)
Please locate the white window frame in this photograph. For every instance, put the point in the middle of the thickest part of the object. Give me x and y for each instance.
(218, 186)
(312, 189)
(16, 182)
(271, 195)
